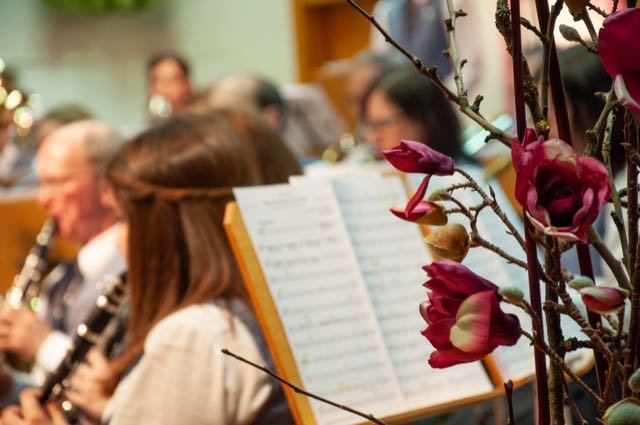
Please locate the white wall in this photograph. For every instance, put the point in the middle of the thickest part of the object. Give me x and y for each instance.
(99, 60)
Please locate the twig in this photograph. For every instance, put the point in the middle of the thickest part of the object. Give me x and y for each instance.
(614, 264)
(584, 15)
(503, 24)
(528, 25)
(431, 73)
(299, 390)
(548, 56)
(491, 202)
(508, 392)
(544, 348)
(598, 10)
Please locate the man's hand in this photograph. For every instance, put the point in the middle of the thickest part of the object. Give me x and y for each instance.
(21, 332)
(31, 413)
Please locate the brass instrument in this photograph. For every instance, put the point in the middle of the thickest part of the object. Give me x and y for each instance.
(86, 337)
(25, 286)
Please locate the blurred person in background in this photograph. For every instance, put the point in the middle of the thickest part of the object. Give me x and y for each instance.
(70, 165)
(168, 84)
(171, 184)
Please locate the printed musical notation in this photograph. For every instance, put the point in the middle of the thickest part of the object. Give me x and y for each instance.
(313, 276)
(347, 281)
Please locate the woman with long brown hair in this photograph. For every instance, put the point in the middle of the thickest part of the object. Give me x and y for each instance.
(186, 298)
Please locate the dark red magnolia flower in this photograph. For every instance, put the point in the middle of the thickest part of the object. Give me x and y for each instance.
(416, 157)
(560, 192)
(465, 322)
(619, 49)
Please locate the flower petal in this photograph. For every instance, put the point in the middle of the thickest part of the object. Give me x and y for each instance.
(623, 93)
(416, 157)
(470, 333)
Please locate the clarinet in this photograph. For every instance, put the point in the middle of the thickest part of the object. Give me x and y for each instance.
(86, 337)
(24, 284)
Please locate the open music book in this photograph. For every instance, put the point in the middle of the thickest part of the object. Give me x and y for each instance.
(336, 281)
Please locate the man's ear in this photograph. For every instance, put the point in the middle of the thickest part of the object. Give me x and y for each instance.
(107, 196)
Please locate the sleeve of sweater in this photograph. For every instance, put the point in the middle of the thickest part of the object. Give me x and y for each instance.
(184, 378)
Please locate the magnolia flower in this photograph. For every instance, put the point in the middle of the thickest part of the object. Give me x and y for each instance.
(560, 192)
(619, 49)
(463, 314)
(603, 299)
(416, 157)
(424, 213)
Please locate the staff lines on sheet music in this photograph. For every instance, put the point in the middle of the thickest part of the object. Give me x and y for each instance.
(294, 243)
(326, 307)
(312, 277)
(353, 377)
(315, 341)
(296, 227)
(286, 293)
(310, 322)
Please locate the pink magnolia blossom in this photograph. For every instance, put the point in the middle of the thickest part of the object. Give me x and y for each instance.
(603, 299)
(560, 192)
(424, 213)
(619, 49)
(416, 157)
(465, 322)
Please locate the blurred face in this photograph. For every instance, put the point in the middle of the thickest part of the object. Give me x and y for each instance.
(386, 124)
(167, 80)
(69, 188)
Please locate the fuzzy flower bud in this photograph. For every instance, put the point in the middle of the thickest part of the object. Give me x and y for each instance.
(634, 381)
(624, 412)
(569, 33)
(580, 282)
(439, 195)
(511, 294)
(449, 242)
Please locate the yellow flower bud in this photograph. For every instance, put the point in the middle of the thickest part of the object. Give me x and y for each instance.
(451, 242)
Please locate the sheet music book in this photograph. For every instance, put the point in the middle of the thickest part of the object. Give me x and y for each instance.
(345, 279)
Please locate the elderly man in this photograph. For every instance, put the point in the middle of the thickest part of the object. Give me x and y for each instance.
(70, 167)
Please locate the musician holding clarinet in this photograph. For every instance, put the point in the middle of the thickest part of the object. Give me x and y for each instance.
(70, 167)
(186, 297)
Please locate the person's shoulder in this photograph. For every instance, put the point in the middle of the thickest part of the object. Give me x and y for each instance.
(203, 321)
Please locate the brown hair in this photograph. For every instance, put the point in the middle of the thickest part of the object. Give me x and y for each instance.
(275, 160)
(172, 183)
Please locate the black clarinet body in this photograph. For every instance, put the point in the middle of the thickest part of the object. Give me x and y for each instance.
(87, 336)
(24, 285)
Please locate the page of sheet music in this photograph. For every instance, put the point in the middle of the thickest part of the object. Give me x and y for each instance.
(514, 362)
(391, 253)
(306, 256)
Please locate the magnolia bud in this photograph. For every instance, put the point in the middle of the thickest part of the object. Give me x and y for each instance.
(576, 6)
(624, 412)
(439, 195)
(603, 299)
(511, 294)
(569, 33)
(451, 242)
(580, 282)
(634, 381)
